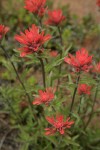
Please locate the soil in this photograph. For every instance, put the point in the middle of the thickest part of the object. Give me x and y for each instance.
(81, 7)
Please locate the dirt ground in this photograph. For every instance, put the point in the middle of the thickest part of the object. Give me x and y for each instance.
(81, 7)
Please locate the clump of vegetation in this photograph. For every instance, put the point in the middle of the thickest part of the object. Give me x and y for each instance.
(49, 81)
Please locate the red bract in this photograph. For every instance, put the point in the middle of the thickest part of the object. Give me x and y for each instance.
(81, 62)
(84, 89)
(96, 68)
(53, 53)
(3, 31)
(31, 40)
(35, 6)
(58, 125)
(55, 17)
(44, 97)
(98, 3)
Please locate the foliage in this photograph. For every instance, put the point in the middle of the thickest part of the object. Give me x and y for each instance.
(21, 79)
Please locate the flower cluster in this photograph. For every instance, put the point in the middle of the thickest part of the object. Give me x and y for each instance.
(36, 6)
(3, 31)
(55, 17)
(81, 62)
(31, 40)
(96, 68)
(98, 3)
(58, 124)
(44, 97)
(84, 89)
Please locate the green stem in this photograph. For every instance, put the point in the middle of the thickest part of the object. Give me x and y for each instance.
(58, 82)
(60, 67)
(60, 35)
(94, 101)
(74, 94)
(59, 142)
(80, 104)
(28, 97)
(53, 108)
(41, 60)
(43, 71)
(39, 20)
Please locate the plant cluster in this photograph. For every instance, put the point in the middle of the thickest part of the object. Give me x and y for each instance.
(69, 87)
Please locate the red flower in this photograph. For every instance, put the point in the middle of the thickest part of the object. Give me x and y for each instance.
(44, 97)
(55, 17)
(3, 31)
(23, 104)
(96, 68)
(98, 3)
(53, 53)
(31, 40)
(58, 125)
(35, 6)
(84, 89)
(81, 62)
